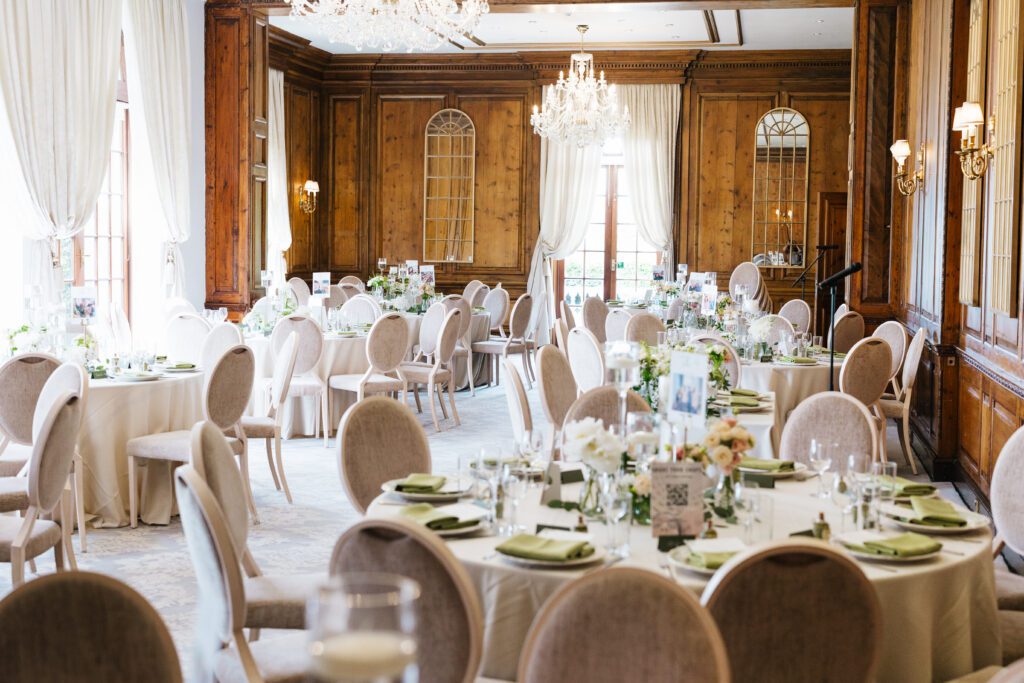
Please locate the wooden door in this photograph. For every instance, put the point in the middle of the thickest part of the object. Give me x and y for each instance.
(831, 230)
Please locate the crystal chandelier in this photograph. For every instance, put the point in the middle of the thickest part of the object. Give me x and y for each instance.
(581, 109)
(392, 24)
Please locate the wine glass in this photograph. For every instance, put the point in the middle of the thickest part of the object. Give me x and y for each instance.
(363, 629)
(382, 263)
(747, 496)
(222, 314)
(622, 367)
(515, 486)
(682, 270)
(616, 503)
(820, 460)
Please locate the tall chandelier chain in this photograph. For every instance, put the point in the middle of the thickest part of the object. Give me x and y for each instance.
(581, 109)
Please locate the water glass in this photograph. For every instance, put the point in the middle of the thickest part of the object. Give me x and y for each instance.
(820, 460)
(884, 475)
(747, 498)
(363, 629)
(643, 432)
(617, 503)
(515, 487)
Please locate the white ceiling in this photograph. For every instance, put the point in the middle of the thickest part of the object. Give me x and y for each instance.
(640, 28)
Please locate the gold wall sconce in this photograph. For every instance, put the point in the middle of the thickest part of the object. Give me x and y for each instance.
(307, 196)
(974, 155)
(907, 182)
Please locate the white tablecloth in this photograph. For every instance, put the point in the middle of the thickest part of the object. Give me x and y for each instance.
(791, 384)
(116, 412)
(939, 616)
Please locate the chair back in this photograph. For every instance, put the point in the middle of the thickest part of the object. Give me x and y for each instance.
(462, 304)
(865, 371)
(229, 386)
(518, 406)
(53, 451)
(829, 417)
(311, 340)
(21, 380)
(184, 336)
(387, 343)
(60, 627)
(585, 359)
(602, 403)
(668, 635)
(479, 296)
(644, 327)
(470, 289)
(354, 281)
(567, 314)
(336, 297)
(675, 309)
(361, 308)
(615, 324)
(349, 290)
(797, 610)
(214, 461)
(732, 360)
(747, 274)
(450, 639)
(376, 425)
(594, 313)
(120, 327)
(300, 288)
(849, 330)
(895, 335)
(798, 313)
(561, 334)
(841, 310)
(69, 377)
(912, 361)
(284, 369)
(174, 305)
(430, 328)
(519, 323)
(497, 302)
(448, 337)
(221, 337)
(557, 385)
(1006, 493)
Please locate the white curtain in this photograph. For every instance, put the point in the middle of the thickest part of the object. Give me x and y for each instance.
(648, 151)
(58, 77)
(568, 186)
(279, 230)
(158, 63)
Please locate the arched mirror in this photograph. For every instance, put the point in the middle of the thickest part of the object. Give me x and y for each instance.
(449, 170)
(782, 141)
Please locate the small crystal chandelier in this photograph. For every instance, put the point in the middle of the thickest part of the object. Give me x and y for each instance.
(389, 25)
(581, 109)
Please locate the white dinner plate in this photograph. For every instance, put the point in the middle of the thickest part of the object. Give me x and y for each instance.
(742, 409)
(167, 369)
(137, 378)
(450, 492)
(789, 364)
(598, 556)
(464, 511)
(871, 557)
(798, 468)
(679, 557)
(975, 521)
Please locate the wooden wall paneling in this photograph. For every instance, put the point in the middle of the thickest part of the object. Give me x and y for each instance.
(258, 156)
(970, 412)
(830, 210)
(302, 139)
(347, 191)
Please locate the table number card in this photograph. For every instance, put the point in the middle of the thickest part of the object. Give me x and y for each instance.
(321, 284)
(688, 386)
(677, 498)
(696, 282)
(83, 304)
(708, 299)
(412, 266)
(427, 274)
(658, 272)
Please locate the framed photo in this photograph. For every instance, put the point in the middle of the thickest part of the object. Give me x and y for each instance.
(321, 284)
(708, 299)
(677, 498)
(688, 385)
(658, 272)
(696, 282)
(83, 303)
(427, 274)
(412, 266)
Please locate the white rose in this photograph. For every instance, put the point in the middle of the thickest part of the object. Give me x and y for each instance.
(721, 456)
(642, 485)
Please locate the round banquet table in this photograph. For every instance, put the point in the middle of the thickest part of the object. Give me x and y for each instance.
(347, 356)
(116, 412)
(790, 384)
(939, 616)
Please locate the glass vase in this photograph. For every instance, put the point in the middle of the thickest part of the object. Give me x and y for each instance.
(723, 497)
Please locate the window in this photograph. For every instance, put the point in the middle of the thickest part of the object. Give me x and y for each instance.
(614, 262)
(98, 255)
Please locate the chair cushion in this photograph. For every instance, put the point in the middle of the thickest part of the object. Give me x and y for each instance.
(13, 459)
(280, 660)
(174, 446)
(1010, 590)
(1011, 626)
(305, 385)
(45, 535)
(422, 374)
(891, 408)
(497, 346)
(13, 494)
(375, 384)
(259, 427)
(279, 601)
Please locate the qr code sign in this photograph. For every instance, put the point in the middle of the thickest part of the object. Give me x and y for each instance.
(678, 495)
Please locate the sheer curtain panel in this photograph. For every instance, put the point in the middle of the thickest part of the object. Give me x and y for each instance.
(58, 78)
(279, 230)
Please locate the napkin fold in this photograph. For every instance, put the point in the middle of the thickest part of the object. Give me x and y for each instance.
(798, 360)
(420, 483)
(744, 402)
(935, 512)
(434, 518)
(904, 545)
(182, 366)
(744, 392)
(530, 547)
(905, 487)
(767, 465)
(708, 560)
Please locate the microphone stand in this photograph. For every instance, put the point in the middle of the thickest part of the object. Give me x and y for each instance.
(802, 278)
(832, 338)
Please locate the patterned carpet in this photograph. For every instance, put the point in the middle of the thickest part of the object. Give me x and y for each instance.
(295, 538)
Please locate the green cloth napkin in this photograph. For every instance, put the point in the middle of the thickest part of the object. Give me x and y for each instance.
(420, 483)
(744, 402)
(182, 366)
(935, 512)
(904, 545)
(744, 392)
(799, 360)
(708, 560)
(434, 518)
(530, 547)
(905, 487)
(767, 465)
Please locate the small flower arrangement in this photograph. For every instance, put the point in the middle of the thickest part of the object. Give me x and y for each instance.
(377, 281)
(723, 305)
(640, 489)
(426, 290)
(725, 444)
(24, 338)
(595, 446)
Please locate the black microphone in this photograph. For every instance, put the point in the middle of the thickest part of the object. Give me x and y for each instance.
(846, 272)
(827, 247)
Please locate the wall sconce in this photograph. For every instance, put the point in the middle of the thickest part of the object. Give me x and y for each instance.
(973, 155)
(907, 182)
(307, 196)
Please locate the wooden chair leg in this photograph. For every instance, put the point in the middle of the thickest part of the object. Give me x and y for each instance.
(78, 475)
(416, 395)
(469, 369)
(451, 400)
(133, 502)
(17, 566)
(243, 461)
(444, 410)
(527, 369)
(325, 410)
(67, 518)
(270, 462)
(905, 440)
(433, 408)
(280, 464)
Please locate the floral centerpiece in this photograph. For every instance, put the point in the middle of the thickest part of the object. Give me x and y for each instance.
(656, 362)
(725, 444)
(25, 338)
(640, 490)
(600, 451)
